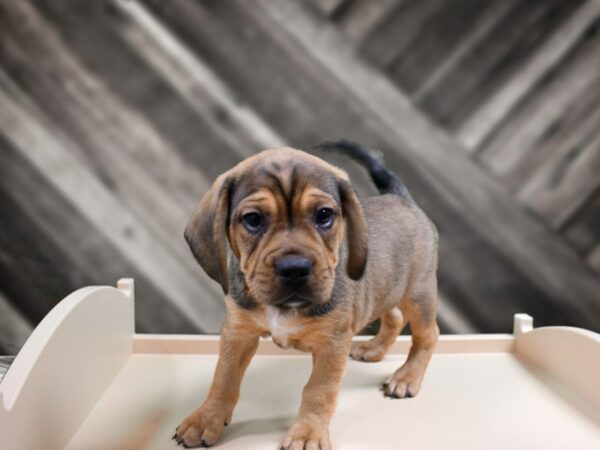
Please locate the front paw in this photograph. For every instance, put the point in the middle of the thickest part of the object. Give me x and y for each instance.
(369, 351)
(404, 383)
(202, 428)
(307, 436)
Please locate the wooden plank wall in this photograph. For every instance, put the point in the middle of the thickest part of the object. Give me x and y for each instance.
(517, 83)
(115, 116)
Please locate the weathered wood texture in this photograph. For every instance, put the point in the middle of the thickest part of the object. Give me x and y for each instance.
(15, 329)
(116, 115)
(5, 362)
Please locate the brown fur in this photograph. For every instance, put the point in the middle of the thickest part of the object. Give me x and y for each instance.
(383, 267)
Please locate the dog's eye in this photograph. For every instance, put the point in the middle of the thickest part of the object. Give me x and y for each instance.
(253, 221)
(324, 218)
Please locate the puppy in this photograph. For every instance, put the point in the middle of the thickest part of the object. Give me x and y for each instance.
(300, 259)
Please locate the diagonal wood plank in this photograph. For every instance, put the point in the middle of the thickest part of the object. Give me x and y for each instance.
(35, 274)
(175, 92)
(582, 229)
(329, 7)
(481, 123)
(5, 363)
(567, 181)
(451, 320)
(49, 250)
(436, 45)
(549, 119)
(136, 159)
(493, 60)
(594, 258)
(522, 240)
(397, 29)
(48, 153)
(359, 18)
(494, 13)
(196, 82)
(15, 328)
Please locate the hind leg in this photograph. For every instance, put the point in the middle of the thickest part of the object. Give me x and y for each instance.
(420, 313)
(373, 350)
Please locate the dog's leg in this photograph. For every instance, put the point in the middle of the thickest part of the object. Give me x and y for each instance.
(311, 429)
(205, 425)
(374, 349)
(420, 312)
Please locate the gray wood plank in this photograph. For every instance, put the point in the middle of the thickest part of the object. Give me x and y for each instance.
(482, 28)
(358, 19)
(441, 34)
(450, 320)
(121, 145)
(49, 250)
(34, 274)
(14, 327)
(490, 63)
(5, 362)
(109, 216)
(565, 183)
(582, 230)
(397, 30)
(88, 34)
(196, 82)
(549, 118)
(594, 258)
(328, 7)
(551, 54)
(292, 97)
(146, 70)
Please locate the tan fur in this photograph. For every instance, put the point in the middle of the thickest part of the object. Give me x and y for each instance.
(398, 285)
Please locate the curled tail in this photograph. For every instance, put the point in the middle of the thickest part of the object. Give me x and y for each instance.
(386, 181)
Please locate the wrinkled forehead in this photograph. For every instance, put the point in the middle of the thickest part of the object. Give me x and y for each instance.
(286, 179)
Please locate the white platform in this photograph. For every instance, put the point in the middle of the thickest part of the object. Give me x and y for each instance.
(84, 381)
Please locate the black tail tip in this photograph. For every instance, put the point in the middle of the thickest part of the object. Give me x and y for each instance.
(341, 144)
(385, 180)
(337, 144)
(353, 149)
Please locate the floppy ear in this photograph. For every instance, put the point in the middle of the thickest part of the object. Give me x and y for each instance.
(356, 230)
(206, 231)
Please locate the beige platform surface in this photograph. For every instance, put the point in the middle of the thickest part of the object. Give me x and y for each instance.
(468, 401)
(85, 381)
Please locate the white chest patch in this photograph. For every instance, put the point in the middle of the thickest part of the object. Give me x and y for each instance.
(279, 324)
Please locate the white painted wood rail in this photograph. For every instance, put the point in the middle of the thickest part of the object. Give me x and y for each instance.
(64, 367)
(85, 380)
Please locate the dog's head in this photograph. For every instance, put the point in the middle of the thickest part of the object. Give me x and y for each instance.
(284, 214)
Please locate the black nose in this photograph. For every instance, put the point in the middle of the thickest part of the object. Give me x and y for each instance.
(293, 270)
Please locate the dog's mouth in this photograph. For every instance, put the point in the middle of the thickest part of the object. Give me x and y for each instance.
(294, 301)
